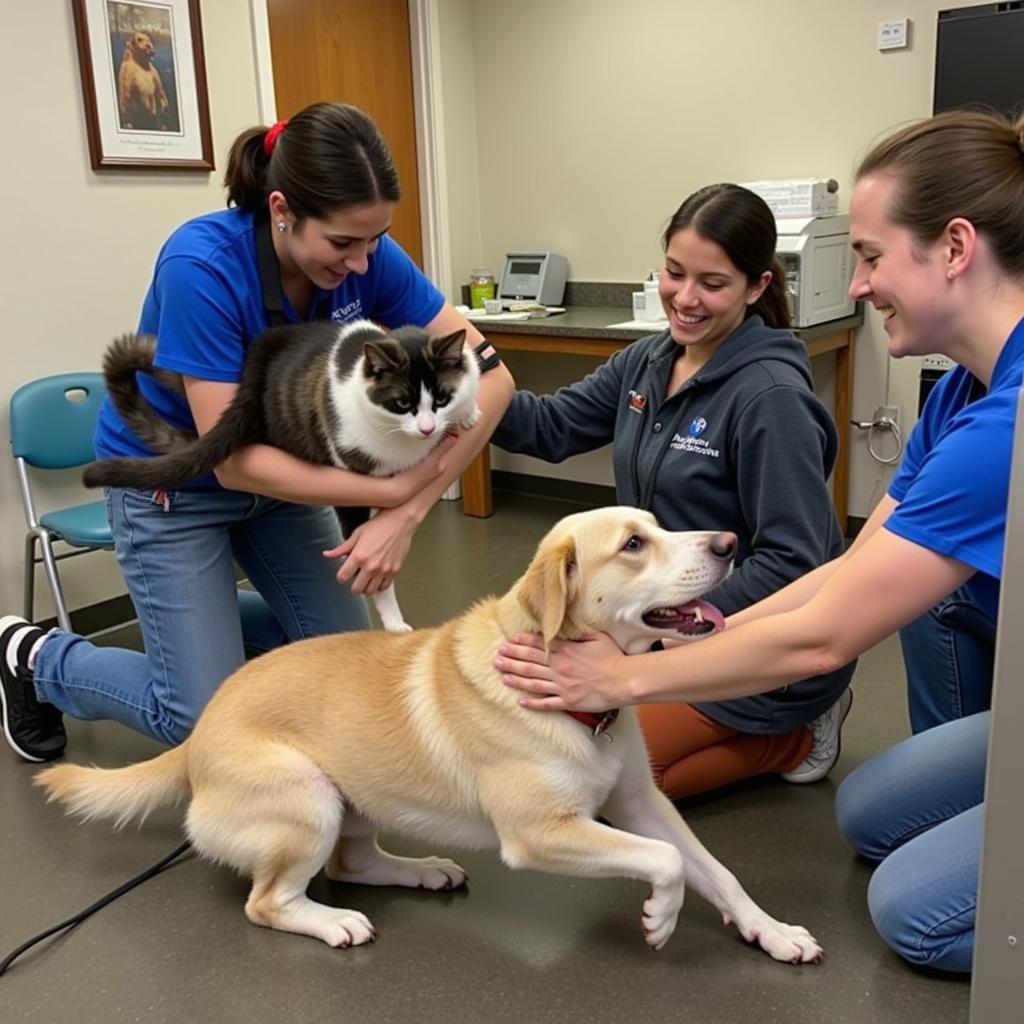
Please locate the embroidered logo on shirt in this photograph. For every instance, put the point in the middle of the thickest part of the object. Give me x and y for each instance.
(351, 311)
(698, 426)
(637, 402)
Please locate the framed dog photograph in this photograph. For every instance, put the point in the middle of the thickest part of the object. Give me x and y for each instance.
(144, 84)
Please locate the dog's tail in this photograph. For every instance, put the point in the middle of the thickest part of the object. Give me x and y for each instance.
(124, 794)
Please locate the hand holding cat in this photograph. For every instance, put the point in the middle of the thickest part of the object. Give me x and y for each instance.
(375, 552)
(411, 481)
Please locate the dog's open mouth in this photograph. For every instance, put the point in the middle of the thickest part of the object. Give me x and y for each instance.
(695, 618)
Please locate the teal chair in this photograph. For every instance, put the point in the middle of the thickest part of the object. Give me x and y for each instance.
(52, 423)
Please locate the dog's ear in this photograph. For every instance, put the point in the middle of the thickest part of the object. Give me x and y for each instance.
(549, 585)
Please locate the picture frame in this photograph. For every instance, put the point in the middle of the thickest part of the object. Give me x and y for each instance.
(144, 84)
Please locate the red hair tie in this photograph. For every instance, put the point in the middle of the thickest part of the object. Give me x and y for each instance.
(270, 139)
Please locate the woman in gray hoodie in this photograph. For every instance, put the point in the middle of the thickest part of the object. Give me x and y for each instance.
(715, 426)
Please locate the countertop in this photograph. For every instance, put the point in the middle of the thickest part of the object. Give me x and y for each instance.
(592, 322)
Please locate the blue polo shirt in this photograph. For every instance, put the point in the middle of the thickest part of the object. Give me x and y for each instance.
(954, 482)
(205, 305)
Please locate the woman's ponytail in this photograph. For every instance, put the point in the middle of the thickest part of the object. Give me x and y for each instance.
(773, 306)
(246, 174)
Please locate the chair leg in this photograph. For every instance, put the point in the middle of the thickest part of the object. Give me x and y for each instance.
(30, 576)
(50, 563)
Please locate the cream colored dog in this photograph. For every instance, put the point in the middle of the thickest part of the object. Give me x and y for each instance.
(305, 753)
(141, 99)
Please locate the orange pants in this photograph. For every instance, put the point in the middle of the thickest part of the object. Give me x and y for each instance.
(691, 753)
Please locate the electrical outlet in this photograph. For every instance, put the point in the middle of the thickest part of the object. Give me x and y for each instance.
(888, 412)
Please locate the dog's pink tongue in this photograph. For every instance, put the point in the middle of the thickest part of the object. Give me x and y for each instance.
(705, 611)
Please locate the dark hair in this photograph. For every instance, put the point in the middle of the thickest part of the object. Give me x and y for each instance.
(741, 223)
(329, 156)
(962, 163)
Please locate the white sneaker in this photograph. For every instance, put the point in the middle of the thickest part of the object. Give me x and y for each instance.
(827, 732)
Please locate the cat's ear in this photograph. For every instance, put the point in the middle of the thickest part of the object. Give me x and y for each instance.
(447, 349)
(380, 358)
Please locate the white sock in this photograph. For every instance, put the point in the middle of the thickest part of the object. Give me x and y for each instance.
(34, 652)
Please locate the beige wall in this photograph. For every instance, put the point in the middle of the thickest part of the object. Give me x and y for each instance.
(595, 118)
(80, 245)
(575, 125)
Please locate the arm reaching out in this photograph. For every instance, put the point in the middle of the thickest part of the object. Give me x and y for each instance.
(869, 593)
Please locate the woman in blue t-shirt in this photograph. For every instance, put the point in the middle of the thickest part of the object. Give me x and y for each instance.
(935, 221)
(304, 237)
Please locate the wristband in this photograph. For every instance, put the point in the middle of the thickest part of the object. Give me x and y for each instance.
(486, 357)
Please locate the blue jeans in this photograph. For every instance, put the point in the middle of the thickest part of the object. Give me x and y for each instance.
(178, 561)
(949, 654)
(917, 810)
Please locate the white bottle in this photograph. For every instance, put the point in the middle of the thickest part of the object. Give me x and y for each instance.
(652, 299)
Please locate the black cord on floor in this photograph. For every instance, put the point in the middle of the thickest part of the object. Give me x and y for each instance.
(99, 904)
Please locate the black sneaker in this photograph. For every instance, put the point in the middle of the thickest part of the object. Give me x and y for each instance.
(34, 730)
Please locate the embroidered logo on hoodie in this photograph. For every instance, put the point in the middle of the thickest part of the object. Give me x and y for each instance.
(693, 442)
(637, 402)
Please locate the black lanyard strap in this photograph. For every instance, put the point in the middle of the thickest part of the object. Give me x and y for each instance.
(270, 276)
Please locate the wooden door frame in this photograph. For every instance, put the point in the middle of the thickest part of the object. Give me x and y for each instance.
(428, 114)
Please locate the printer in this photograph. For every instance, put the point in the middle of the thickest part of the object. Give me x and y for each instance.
(815, 254)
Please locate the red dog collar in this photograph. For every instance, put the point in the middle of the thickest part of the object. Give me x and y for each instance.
(596, 722)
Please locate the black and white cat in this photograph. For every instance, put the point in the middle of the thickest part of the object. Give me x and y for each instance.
(348, 395)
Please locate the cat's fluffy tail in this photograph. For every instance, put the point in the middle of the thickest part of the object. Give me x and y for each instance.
(233, 430)
(188, 457)
(126, 356)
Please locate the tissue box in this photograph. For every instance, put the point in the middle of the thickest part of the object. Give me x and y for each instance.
(798, 197)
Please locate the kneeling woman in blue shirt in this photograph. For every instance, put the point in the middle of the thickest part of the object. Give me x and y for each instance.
(304, 237)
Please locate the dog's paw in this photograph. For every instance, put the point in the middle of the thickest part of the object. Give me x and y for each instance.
(347, 928)
(790, 943)
(334, 925)
(438, 873)
(661, 911)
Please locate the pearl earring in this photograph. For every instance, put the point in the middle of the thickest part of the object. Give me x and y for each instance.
(950, 274)
(281, 226)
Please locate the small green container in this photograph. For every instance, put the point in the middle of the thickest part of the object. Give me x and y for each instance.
(481, 287)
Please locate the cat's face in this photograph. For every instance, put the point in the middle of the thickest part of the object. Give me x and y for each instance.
(419, 380)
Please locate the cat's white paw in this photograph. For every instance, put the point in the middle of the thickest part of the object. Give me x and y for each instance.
(390, 613)
(472, 418)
